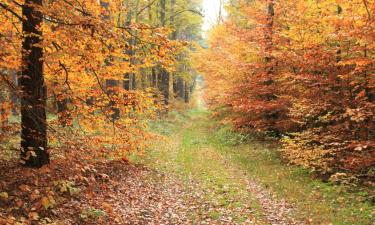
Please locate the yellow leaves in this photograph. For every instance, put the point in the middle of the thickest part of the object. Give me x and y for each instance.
(48, 202)
(33, 216)
(4, 195)
(107, 207)
(299, 150)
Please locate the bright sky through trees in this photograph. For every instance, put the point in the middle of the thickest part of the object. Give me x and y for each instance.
(211, 11)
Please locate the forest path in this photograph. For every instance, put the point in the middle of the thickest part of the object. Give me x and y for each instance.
(213, 189)
(212, 175)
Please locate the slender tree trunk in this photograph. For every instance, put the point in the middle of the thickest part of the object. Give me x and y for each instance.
(61, 106)
(268, 37)
(174, 33)
(34, 92)
(165, 85)
(126, 82)
(187, 92)
(162, 12)
(111, 85)
(65, 117)
(13, 96)
(181, 88)
(4, 109)
(154, 77)
(165, 75)
(338, 53)
(271, 116)
(130, 78)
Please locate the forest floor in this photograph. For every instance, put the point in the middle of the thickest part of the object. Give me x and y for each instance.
(225, 180)
(199, 173)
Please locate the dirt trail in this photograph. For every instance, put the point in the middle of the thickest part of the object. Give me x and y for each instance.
(212, 188)
(207, 185)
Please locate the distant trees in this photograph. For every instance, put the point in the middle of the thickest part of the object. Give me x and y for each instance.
(301, 70)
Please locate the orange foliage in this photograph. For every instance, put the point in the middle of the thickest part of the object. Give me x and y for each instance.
(305, 72)
(86, 43)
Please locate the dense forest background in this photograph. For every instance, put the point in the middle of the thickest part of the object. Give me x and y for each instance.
(146, 112)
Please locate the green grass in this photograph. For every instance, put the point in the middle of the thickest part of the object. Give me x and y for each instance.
(315, 200)
(190, 155)
(212, 155)
(320, 202)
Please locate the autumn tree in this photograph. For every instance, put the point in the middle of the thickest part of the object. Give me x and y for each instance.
(81, 50)
(303, 69)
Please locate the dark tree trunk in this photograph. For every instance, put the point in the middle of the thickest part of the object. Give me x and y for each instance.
(187, 92)
(134, 81)
(115, 111)
(162, 12)
(174, 33)
(34, 92)
(269, 81)
(110, 84)
(165, 85)
(4, 114)
(65, 117)
(13, 96)
(126, 83)
(154, 77)
(268, 36)
(165, 76)
(61, 106)
(181, 87)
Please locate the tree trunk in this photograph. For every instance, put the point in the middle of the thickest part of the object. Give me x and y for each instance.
(181, 87)
(4, 110)
(34, 92)
(162, 12)
(65, 117)
(187, 92)
(110, 84)
(270, 115)
(165, 75)
(126, 82)
(165, 85)
(154, 77)
(174, 33)
(13, 96)
(268, 33)
(110, 89)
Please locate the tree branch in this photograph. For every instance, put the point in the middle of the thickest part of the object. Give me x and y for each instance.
(144, 8)
(6, 7)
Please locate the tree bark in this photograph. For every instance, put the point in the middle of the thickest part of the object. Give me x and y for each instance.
(181, 87)
(111, 85)
(166, 85)
(4, 110)
(187, 92)
(65, 117)
(268, 37)
(13, 95)
(34, 92)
